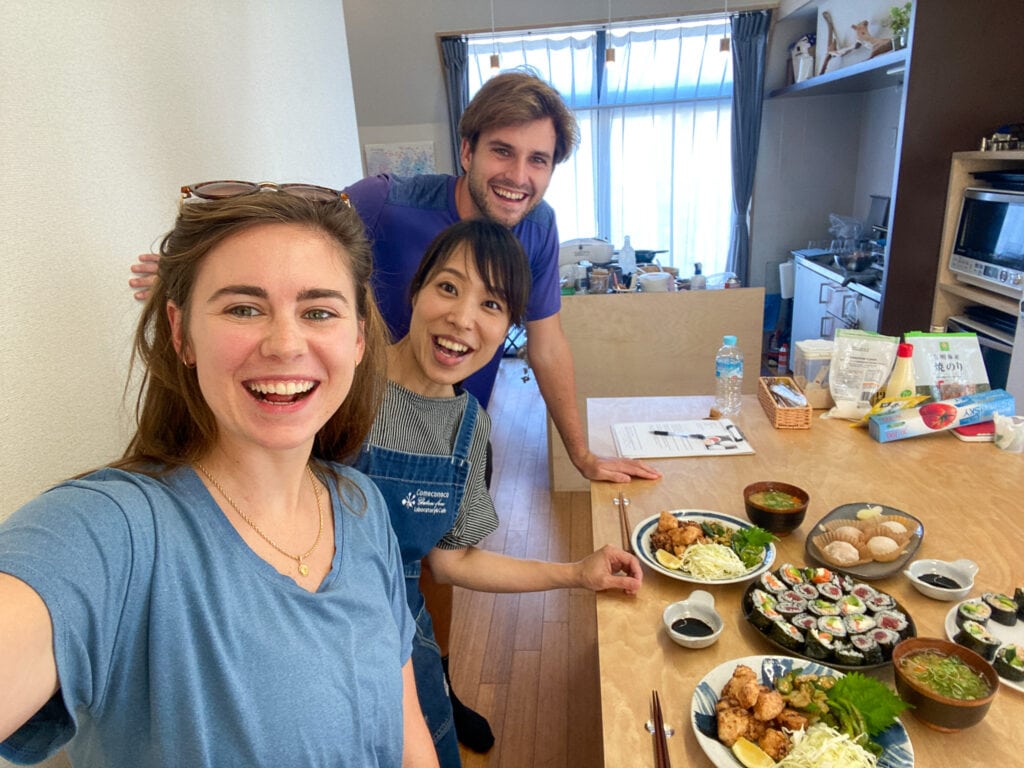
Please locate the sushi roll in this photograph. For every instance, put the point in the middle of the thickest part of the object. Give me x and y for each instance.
(786, 635)
(869, 647)
(822, 607)
(762, 610)
(834, 625)
(1018, 597)
(858, 623)
(863, 591)
(793, 596)
(830, 591)
(819, 645)
(973, 610)
(894, 620)
(772, 583)
(790, 574)
(880, 601)
(818, 575)
(886, 639)
(788, 609)
(1009, 662)
(806, 591)
(846, 583)
(804, 621)
(1004, 609)
(978, 639)
(848, 655)
(850, 605)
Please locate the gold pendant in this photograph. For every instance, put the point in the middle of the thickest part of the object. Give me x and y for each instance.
(303, 569)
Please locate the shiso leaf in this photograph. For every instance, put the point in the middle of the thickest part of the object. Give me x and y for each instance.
(878, 704)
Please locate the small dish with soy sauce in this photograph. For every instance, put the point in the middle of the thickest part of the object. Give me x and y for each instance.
(941, 580)
(694, 622)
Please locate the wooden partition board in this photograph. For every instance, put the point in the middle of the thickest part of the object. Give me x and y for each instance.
(652, 344)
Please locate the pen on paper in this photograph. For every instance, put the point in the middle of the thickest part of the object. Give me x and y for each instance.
(665, 433)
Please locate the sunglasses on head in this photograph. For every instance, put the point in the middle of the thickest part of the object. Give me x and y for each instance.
(222, 190)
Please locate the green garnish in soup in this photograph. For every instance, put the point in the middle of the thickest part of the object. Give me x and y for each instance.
(775, 500)
(947, 676)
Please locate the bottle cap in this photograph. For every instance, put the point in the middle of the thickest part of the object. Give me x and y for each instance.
(729, 341)
(905, 350)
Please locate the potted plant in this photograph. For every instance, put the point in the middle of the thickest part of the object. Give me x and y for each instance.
(899, 22)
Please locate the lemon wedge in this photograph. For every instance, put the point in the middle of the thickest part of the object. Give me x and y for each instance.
(751, 755)
(869, 512)
(668, 560)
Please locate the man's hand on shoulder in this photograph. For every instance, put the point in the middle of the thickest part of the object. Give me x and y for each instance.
(615, 469)
(144, 272)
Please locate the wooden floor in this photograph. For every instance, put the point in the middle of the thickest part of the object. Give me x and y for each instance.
(528, 662)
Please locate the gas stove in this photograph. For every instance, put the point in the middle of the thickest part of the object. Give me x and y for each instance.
(867, 282)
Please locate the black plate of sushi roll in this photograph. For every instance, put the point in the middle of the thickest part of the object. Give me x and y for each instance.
(825, 616)
(993, 627)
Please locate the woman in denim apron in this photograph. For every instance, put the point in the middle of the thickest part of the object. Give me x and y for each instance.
(426, 451)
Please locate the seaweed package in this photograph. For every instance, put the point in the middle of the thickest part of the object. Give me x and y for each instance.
(948, 365)
(861, 362)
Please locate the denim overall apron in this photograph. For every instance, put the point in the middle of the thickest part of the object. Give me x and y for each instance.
(423, 493)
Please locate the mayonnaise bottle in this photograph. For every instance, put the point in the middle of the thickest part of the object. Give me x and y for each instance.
(902, 382)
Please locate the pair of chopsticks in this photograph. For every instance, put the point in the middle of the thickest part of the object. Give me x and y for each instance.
(661, 759)
(621, 503)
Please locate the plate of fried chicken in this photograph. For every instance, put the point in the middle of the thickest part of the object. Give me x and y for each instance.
(738, 699)
(696, 545)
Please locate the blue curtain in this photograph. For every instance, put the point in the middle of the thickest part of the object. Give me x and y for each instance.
(749, 43)
(454, 51)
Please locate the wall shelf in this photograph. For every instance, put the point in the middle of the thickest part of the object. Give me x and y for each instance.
(867, 75)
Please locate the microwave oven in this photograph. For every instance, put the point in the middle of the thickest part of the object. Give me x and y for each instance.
(989, 247)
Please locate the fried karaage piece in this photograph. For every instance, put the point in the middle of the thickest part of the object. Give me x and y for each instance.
(775, 743)
(733, 723)
(667, 521)
(769, 704)
(791, 720)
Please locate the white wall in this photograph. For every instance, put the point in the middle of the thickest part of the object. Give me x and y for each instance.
(106, 108)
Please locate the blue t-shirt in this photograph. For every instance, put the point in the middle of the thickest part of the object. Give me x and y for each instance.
(176, 644)
(404, 214)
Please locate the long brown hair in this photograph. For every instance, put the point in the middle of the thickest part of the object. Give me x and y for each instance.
(174, 424)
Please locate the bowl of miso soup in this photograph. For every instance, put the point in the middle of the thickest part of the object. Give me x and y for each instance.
(950, 687)
(775, 506)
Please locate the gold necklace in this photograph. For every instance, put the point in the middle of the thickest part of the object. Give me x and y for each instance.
(303, 568)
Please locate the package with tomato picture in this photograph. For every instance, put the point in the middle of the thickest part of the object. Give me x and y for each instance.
(948, 365)
(941, 415)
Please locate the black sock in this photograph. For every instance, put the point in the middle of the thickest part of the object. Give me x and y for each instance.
(471, 727)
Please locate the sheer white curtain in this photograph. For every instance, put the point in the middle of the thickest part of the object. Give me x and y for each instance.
(654, 158)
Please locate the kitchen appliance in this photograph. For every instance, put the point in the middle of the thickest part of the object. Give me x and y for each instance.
(995, 331)
(988, 250)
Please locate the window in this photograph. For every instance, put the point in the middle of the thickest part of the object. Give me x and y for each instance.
(654, 157)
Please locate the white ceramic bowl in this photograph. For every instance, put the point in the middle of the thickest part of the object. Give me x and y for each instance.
(700, 605)
(960, 571)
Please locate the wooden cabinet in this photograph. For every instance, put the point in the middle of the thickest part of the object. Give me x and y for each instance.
(962, 80)
(951, 295)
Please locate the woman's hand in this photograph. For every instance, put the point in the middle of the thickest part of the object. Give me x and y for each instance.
(146, 267)
(611, 568)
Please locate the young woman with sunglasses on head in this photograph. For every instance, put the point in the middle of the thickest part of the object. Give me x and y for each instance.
(427, 448)
(227, 593)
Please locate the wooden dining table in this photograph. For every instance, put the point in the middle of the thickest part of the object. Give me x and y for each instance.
(969, 497)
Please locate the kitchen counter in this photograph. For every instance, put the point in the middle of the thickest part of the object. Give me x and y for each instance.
(821, 262)
(965, 494)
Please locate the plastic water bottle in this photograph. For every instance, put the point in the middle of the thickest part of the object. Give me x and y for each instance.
(627, 258)
(728, 378)
(698, 281)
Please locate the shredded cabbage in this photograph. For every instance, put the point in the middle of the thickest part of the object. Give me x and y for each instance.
(712, 561)
(823, 747)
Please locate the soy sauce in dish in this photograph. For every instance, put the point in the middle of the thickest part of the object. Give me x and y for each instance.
(691, 627)
(940, 581)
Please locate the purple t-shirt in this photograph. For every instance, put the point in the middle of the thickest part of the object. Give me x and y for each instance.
(404, 214)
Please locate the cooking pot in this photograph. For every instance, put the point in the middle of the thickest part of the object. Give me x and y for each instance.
(854, 261)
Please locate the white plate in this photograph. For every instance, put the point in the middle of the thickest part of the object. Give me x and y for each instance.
(641, 541)
(867, 571)
(1001, 632)
(899, 753)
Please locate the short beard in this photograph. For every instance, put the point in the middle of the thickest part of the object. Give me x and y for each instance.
(479, 194)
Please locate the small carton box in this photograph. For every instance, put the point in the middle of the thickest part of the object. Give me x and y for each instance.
(811, 360)
(940, 415)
